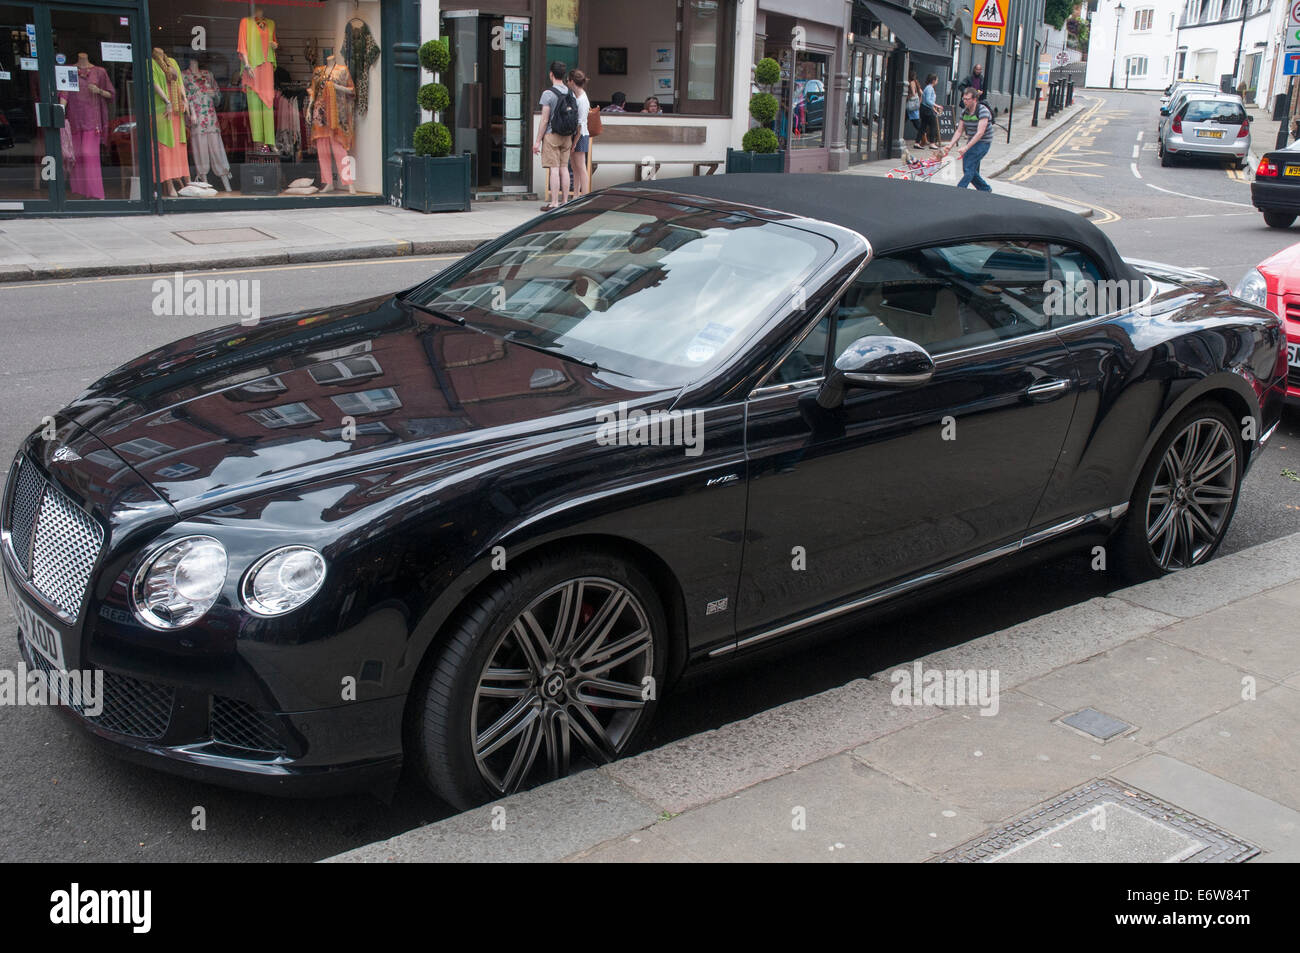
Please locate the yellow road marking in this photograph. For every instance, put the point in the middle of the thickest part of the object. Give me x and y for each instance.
(1060, 143)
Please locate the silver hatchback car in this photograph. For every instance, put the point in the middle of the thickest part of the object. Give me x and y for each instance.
(1208, 125)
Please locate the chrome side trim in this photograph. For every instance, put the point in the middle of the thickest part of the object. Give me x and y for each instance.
(934, 575)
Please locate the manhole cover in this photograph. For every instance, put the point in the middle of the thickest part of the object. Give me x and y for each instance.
(1096, 723)
(1104, 822)
(223, 236)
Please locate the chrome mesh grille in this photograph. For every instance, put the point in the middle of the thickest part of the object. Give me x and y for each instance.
(240, 725)
(56, 541)
(28, 489)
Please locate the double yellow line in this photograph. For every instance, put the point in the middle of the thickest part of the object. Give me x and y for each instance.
(1050, 153)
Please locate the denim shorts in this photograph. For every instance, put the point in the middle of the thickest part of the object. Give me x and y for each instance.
(583, 144)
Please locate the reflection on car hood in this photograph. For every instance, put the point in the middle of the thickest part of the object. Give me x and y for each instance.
(236, 410)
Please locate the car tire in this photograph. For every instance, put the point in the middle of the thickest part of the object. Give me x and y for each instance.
(1278, 219)
(1162, 535)
(1166, 159)
(543, 710)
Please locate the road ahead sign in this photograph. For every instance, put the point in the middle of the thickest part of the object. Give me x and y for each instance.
(990, 24)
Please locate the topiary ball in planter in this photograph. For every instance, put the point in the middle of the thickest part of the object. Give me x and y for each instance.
(433, 97)
(435, 56)
(763, 107)
(432, 139)
(760, 140)
(767, 72)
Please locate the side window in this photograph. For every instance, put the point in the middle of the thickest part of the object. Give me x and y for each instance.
(1077, 290)
(808, 360)
(950, 297)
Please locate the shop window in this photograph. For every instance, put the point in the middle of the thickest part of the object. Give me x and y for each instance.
(808, 101)
(277, 97)
(706, 62)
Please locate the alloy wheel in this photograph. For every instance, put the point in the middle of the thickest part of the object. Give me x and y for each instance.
(1192, 494)
(567, 679)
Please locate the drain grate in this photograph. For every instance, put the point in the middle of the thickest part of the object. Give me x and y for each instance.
(1104, 821)
(1096, 723)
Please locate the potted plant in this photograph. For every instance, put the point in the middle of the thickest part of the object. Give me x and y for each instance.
(433, 180)
(760, 148)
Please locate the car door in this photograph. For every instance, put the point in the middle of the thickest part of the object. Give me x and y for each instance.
(900, 480)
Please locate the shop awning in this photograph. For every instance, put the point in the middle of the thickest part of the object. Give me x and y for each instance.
(911, 34)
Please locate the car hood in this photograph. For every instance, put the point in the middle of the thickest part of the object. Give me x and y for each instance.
(238, 410)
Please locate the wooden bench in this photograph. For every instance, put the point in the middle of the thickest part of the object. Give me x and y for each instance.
(707, 167)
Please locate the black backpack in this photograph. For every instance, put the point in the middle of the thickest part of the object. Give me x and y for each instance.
(564, 117)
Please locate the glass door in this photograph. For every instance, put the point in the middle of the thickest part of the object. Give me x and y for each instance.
(107, 126)
(69, 121)
(857, 127)
(29, 165)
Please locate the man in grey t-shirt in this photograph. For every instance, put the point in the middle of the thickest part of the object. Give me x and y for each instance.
(976, 123)
(553, 147)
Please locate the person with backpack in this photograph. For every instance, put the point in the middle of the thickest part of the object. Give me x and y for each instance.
(559, 123)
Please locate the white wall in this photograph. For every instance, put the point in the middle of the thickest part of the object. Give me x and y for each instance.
(1158, 44)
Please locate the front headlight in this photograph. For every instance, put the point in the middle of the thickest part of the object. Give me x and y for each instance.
(282, 580)
(179, 583)
(1252, 288)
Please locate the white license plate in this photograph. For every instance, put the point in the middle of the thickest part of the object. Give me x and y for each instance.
(1209, 133)
(41, 636)
(1293, 355)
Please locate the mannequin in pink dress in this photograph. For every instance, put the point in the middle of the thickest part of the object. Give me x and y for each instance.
(87, 118)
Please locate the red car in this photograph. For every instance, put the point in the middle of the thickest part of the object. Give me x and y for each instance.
(1275, 285)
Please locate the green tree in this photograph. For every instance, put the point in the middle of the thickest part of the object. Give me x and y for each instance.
(1057, 11)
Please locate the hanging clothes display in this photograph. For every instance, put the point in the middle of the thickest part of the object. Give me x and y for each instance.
(330, 119)
(173, 162)
(288, 124)
(257, 45)
(87, 126)
(360, 51)
(204, 96)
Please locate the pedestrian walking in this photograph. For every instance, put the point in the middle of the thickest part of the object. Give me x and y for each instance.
(977, 126)
(930, 109)
(975, 81)
(914, 109)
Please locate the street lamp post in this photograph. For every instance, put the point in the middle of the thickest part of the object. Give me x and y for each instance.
(1114, 53)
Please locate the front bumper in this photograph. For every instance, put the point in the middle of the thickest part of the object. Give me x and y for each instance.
(186, 732)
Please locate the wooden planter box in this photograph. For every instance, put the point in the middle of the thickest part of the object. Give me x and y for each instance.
(436, 184)
(755, 161)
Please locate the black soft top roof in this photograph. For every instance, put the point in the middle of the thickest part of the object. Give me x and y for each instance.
(895, 215)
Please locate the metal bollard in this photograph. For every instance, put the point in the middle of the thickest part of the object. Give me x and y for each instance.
(1069, 93)
(1038, 97)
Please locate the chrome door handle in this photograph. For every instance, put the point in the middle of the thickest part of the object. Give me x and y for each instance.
(1046, 390)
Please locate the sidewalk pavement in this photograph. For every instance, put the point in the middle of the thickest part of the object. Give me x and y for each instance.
(54, 248)
(1203, 667)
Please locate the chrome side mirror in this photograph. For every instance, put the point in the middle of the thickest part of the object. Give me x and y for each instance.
(876, 361)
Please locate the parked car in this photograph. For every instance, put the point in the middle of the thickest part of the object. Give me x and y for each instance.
(483, 524)
(1275, 284)
(1275, 190)
(1182, 86)
(1206, 126)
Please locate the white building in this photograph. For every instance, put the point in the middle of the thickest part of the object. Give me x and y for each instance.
(1146, 44)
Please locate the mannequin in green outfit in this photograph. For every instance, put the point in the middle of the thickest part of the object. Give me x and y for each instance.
(257, 46)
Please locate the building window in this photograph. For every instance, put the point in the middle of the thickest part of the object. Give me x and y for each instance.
(376, 401)
(1137, 66)
(144, 448)
(349, 368)
(1191, 14)
(705, 68)
(307, 107)
(1234, 9)
(1215, 11)
(1142, 20)
(286, 415)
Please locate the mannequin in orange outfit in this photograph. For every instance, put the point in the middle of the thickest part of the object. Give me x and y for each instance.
(257, 46)
(330, 109)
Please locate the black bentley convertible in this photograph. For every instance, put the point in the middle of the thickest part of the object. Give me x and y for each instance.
(485, 523)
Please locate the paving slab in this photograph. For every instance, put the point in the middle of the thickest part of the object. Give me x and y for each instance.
(1275, 828)
(1258, 635)
(1037, 646)
(545, 824)
(995, 767)
(837, 809)
(714, 764)
(1255, 744)
(1157, 687)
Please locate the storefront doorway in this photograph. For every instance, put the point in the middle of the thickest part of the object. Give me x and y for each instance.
(864, 118)
(70, 117)
(491, 97)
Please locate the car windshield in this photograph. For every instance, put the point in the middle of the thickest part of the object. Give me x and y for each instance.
(647, 288)
(1208, 110)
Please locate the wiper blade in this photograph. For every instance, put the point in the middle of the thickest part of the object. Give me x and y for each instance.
(554, 353)
(454, 318)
